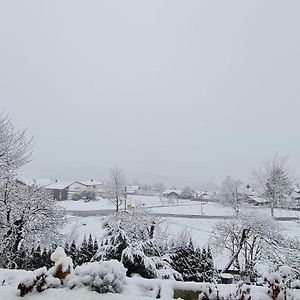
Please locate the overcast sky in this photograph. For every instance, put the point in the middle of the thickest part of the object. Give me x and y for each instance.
(182, 92)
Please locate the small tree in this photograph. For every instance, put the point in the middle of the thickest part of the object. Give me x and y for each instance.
(248, 239)
(116, 187)
(159, 189)
(135, 239)
(187, 193)
(275, 181)
(230, 193)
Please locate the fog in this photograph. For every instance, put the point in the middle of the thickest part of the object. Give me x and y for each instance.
(182, 92)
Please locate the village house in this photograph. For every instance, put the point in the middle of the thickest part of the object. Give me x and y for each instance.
(172, 194)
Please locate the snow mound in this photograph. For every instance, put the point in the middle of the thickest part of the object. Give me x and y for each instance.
(102, 277)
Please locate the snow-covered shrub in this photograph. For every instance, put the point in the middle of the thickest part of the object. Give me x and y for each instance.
(295, 284)
(209, 292)
(102, 277)
(38, 281)
(276, 287)
(85, 195)
(141, 258)
(242, 292)
(63, 264)
(135, 239)
(193, 264)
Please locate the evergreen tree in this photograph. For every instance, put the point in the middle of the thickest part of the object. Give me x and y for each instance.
(66, 248)
(96, 247)
(29, 260)
(187, 261)
(46, 258)
(73, 253)
(83, 252)
(90, 248)
(37, 258)
(208, 265)
(21, 258)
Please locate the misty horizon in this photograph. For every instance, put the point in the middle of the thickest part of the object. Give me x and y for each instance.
(184, 94)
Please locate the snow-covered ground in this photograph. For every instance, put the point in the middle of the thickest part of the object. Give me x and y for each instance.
(132, 200)
(163, 206)
(200, 230)
(134, 289)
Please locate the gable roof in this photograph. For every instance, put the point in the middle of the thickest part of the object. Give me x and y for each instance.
(59, 185)
(168, 192)
(90, 182)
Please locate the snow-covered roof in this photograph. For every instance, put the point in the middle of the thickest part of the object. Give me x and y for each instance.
(167, 192)
(132, 188)
(90, 182)
(258, 199)
(42, 182)
(59, 185)
(297, 189)
(247, 191)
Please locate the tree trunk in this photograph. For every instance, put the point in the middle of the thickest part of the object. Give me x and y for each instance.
(237, 252)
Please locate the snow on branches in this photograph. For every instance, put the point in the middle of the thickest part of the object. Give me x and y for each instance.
(27, 213)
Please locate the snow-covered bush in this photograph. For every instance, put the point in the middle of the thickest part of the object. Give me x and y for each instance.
(209, 292)
(38, 281)
(102, 277)
(85, 195)
(242, 292)
(193, 264)
(63, 264)
(276, 287)
(295, 284)
(135, 239)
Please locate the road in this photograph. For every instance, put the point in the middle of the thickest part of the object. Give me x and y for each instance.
(107, 212)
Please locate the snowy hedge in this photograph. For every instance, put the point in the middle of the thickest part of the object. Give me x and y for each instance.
(102, 277)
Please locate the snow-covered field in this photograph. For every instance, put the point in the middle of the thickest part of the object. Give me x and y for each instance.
(163, 206)
(132, 200)
(199, 229)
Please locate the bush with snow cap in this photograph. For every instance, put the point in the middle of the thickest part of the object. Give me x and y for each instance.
(102, 277)
(242, 292)
(295, 284)
(63, 264)
(38, 281)
(209, 292)
(276, 287)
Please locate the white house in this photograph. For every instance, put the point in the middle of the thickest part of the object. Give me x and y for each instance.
(91, 185)
(172, 194)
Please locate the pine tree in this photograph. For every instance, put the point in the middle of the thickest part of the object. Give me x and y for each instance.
(37, 258)
(46, 258)
(96, 247)
(21, 258)
(83, 252)
(66, 248)
(29, 261)
(208, 265)
(90, 248)
(186, 260)
(73, 253)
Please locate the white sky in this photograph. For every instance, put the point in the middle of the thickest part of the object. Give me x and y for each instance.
(176, 91)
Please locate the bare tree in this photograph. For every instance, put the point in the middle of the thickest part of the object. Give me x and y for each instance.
(117, 186)
(275, 181)
(249, 238)
(230, 193)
